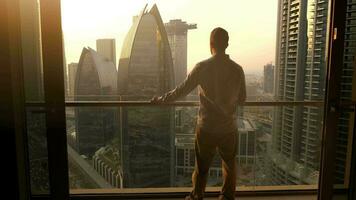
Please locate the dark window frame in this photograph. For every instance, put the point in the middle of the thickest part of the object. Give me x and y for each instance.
(55, 108)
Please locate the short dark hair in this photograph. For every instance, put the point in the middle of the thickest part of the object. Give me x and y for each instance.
(219, 38)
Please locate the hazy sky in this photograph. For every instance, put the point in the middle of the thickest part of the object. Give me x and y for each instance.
(251, 26)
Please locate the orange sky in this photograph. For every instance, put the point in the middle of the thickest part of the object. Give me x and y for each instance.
(251, 26)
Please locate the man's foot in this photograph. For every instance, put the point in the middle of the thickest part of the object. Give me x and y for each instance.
(190, 197)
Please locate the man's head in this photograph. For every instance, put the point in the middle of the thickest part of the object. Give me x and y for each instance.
(219, 40)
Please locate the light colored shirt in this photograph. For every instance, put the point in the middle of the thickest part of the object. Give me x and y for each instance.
(222, 87)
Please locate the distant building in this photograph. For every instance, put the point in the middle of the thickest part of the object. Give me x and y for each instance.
(72, 71)
(177, 36)
(254, 87)
(146, 69)
(252, 91)
(96, 79)
(246, 142)
(107, 48)
(268, 78)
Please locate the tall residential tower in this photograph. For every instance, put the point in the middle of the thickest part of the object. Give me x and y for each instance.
(299, 76)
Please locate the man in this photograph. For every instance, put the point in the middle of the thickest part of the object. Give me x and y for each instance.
(221, 88)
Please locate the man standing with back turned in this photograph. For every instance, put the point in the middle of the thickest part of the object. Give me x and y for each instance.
(221, 88)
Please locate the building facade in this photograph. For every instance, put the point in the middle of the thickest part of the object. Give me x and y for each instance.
(105, 162)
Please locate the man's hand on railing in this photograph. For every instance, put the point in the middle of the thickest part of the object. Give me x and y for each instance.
(156, 99)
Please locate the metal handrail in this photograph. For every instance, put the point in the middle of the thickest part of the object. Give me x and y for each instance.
(177, 103)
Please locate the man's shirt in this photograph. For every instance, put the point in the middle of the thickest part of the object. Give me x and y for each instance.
(222, 87)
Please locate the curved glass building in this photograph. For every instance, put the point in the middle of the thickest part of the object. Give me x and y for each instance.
(145, 70)
(95, 81)
(145, 65)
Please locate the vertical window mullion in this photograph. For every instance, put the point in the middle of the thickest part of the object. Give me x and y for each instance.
(52, 52)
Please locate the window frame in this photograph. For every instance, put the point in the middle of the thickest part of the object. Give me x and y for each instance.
(52, 49)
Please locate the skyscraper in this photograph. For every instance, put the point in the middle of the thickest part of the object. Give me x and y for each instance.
(268, 78)
(96, 80)
(72, 71)
(177, 36)
(146, 69)
(299, 76)
(107, 48)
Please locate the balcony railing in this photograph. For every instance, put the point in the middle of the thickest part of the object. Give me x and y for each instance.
(178, 103)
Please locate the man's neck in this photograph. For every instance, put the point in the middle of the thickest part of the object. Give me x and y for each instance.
(219, 53)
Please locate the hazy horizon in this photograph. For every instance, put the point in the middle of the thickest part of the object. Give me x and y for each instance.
(252, 34)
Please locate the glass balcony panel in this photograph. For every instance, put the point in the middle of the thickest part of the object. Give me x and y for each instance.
(148, 147)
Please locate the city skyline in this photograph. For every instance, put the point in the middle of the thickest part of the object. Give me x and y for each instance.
(81, 27)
